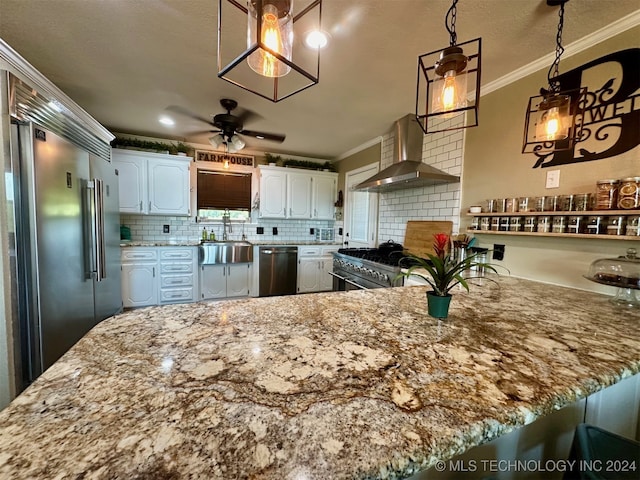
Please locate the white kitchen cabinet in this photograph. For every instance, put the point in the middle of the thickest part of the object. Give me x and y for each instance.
(178, 274)
(139, 277)
(297, 194)
(273, 193)
(323, 196)
(314, 264)
(152, 183)
(224, 281)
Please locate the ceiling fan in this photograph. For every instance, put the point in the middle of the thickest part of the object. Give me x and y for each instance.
(230, 126)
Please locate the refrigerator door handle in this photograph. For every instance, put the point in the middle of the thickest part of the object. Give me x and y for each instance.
(98, 222)
(88, 229)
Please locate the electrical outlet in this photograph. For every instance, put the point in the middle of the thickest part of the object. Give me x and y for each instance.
(553, 179)
(260, 230)
(165, 228)
(498, 252)
(339, 230)
(275, 230)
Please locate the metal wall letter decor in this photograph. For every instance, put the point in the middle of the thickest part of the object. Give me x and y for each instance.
(610, 115)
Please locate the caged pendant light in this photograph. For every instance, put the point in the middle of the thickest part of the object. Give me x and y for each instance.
(261, 47)
(550, 123)
(444, 100)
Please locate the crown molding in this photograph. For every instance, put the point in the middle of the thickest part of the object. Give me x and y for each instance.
(621, 25)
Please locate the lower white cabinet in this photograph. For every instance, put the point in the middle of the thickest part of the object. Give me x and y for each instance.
(224, 281)
(139, 276)
(314, 265)
(178, 274)
(158, 275)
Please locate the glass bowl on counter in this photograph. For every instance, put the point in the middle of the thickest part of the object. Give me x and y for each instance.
(622, 272)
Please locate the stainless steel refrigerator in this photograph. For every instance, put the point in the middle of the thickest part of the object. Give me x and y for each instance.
(67, 243)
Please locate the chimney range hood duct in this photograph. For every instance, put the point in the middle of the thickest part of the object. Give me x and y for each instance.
(407, 170)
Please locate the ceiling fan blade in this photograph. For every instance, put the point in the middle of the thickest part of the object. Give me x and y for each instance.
(274, 137)
(205, 132)
(247, 116)
(187, 113)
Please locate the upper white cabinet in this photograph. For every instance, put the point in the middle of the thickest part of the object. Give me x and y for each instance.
(297, 194)
(152, 183)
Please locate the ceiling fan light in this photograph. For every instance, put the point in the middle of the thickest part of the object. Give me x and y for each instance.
(216, 140)
(237, 143)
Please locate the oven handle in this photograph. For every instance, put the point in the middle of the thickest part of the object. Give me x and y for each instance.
(346, 280)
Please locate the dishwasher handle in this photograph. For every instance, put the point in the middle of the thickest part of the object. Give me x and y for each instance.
(277, 251)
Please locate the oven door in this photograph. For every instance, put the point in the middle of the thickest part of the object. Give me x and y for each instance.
(344, 281)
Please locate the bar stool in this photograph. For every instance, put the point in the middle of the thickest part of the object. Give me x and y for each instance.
(597, 454)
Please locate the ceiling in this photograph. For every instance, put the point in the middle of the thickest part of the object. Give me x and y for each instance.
(126, 61)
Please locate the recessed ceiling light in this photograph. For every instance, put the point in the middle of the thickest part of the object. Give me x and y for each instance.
(167, 121)
(316, 39)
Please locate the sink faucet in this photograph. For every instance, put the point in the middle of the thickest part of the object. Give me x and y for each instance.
(226, 222)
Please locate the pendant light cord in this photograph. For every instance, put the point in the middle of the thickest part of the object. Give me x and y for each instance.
(554, 85)
(450, 23)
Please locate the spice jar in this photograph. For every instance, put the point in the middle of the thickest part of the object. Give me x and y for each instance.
(629, 193)
(475, 223)
(501, 205)
(633, 226)
(615, 225)
(567, 203)
(582, 202)
(515, 224)
(510, 205)
(495, 223)
(526, 204)
(607, 194)
(504, 224)
(576, 224)
(559, 225)
(491, 206)
(596, 224)
(529, 224)
(544, 204)
(544, 224)
(485, 223)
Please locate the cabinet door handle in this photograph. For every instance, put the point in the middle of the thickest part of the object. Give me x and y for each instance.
(290, 212)
(140, 205)
(149, 205)
(154, 271)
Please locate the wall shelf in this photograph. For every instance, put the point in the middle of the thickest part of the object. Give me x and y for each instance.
(585, 213)
(602, 236)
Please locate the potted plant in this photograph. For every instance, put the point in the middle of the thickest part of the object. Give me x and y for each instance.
(442, 272)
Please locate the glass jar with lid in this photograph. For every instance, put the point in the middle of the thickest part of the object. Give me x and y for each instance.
(633, 226)
(615, 225)
(559, 225)
(629, 193)
(582, 202)
(576, 224)
(607, 194)
(596, 224)
(544, 224)
(485, 223)
(622, 272)
(526, 204)
(475, 223)
(515, 224)
(529, 224)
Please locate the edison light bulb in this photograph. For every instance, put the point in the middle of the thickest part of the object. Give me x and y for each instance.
(552, 124)
(450, 92)
(276, 34)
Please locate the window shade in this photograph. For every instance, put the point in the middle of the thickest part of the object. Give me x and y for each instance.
(218, 190)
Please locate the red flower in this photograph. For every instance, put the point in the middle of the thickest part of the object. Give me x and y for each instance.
(441, 244)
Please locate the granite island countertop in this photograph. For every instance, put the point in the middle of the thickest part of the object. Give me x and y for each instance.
(342, 385)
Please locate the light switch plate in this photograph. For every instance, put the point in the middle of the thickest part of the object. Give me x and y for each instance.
(553, 179)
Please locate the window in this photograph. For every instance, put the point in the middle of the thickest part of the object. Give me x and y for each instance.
(217, 191)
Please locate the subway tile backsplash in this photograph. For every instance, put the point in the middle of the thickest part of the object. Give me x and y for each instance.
(150, 228)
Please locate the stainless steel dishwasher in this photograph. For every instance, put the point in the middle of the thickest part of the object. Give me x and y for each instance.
(278, 271)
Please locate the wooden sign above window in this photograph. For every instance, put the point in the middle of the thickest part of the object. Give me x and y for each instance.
(221, 158)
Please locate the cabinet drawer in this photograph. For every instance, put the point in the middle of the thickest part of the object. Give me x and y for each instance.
(176, 295)
(330, 250)
(176, 281)
(135, 254)
(176, 268)
(176, 254)
(308, 251)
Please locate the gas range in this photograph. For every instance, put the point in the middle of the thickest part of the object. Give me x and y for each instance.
(365, 268)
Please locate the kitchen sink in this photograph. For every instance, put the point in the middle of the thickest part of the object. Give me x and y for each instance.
(226, 251)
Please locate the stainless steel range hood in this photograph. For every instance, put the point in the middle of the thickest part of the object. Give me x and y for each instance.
(407, 170)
